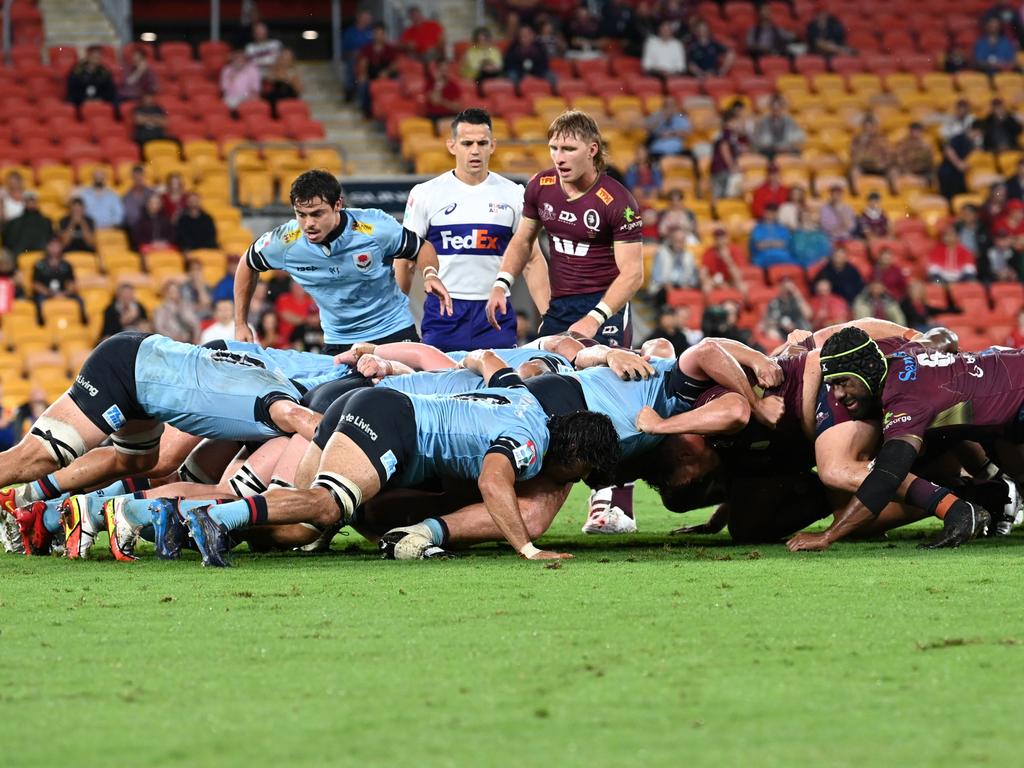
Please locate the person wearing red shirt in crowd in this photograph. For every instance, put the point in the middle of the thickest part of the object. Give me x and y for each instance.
(376, 59)
(772, 192)
(949, 261)
(292, 308)
(889, 275)
(443, 92)
(423, 38)
(719, 267)
(827, 308)
(174, 196)
(994, 208)
(1016, 337)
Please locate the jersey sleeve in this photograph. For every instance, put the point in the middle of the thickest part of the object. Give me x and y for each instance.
(627, 224)
(904, 414)
(395, 241)
(530, 196)
(416, 216)
(521, 450)
(267, 251)
(517, 207)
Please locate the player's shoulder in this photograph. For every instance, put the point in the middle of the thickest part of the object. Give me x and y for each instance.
(280, 238)
(503, 182)
(612, 193)
(441, 181)
(548, 178)
(371, 222)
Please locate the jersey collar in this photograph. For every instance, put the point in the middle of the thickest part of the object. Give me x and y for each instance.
(335, 233)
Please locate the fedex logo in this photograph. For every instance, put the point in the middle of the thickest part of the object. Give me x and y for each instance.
(478, 239)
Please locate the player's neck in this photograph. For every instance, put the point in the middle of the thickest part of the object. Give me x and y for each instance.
(471, 179)
(582, 185)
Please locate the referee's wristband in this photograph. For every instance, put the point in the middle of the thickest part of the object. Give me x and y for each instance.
(601, 313)
(429, 272)
(505, 280)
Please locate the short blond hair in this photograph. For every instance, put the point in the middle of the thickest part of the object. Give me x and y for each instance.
(581, 126)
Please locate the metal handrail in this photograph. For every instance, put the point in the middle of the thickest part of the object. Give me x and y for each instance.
(7, 29)
(120, 14)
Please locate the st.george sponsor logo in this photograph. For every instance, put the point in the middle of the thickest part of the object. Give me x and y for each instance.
(891, 418)
(478, 239)
(87, 386)
(359, 423)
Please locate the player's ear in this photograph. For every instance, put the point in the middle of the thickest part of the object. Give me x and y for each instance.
(450, 143)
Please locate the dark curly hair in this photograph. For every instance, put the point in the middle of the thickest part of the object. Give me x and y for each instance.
(851, 352)
(588, 438)
(315, 184)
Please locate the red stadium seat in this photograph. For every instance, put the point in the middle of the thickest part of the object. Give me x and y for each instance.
(644, 86)
(534, 86)
(570, 89)
(174, 50)
(773, 66)
(497, 86)
(253, 108)
(1007, 298)
(810, 64)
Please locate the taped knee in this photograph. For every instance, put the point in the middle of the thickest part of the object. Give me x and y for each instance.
(139, 443)
(192, 472)
(246, 483)
(61, 440)
(346, 494)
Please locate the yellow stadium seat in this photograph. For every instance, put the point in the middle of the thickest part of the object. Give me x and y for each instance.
(416, 143)
(500, 129)
(973, 83)
(26, 261)
(203, 167)
(16, 393)
(901, 82)
(982, 178)
(83, 262)
(247, 159)
(972, 198)
(213, 188)
(410, 125)
(864, 82)
(529, 128)
(53, 387)
(121, 261)
(111, 238)
(165, 259)
(937, 81)
(161, 148)
(44, 358)
(592, 105)
(790, 84)
(255, 189)
(200, 148)
(828, 82)
(27, 335)
(432, 161)
(223, 213)
(76, 357)
(326, 158)
(548, 104)
(982, 161)
(96, 301)
(61, 307)
(62, 173)
(74, 338)
(285, 177)
(616, 104)
(10, 366)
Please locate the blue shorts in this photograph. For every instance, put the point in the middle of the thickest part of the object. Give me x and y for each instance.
(467, 327)
(566, 310)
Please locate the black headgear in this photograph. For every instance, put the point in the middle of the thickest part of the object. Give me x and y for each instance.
(851, 352)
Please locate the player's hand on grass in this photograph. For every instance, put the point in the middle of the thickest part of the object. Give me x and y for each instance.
(808, 542)
(433, 285)
(374, 368)
(497, 304)
(768, 373)
(543, 554)
(629, 366)
(585, 328)
(702, 528)
(648, 419)
(768, 410)
(243, 332)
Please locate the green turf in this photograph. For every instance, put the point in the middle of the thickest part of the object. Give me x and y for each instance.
(642, 651)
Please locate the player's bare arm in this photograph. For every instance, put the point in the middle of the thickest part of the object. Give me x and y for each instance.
(626, 364)
(426, 258)
(710, 359)
(629, 258)
(484, 363)
(513, 262)
(537, 280)
(414, 354)
(725, 415)
(245, 287)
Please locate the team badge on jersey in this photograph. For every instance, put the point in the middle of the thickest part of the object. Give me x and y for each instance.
(389, 461)
(604, 196)
(525, 455)
(591, 219)
(362, 260)
(548, 181)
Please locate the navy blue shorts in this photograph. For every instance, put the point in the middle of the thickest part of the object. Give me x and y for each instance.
(566, 310)
(406, 334)
(467, 327)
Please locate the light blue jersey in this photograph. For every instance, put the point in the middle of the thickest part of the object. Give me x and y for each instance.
(621, 401)
(454, 381)
(351, 279)
(516, 356)
(454, 433)
(308, 369)
(206, 392)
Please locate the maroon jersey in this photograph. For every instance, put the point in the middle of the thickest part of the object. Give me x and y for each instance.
(942, 394)
(583, 230)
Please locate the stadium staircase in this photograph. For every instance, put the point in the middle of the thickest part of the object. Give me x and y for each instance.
(76, 23)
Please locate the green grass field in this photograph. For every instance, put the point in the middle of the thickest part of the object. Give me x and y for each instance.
(642, 651)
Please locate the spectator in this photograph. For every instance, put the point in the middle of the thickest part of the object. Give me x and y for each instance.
(135, 199)
(268, 331)
(664, 54)
(1009, 17)
(676, 215)
(826, 35)
(993, 51)
(950, 262)
(91, 79)
(875, 301)
(125, 313)
(483, 59)
(223, 326)
(668, 328)
(355, 37)
(811, 246)
(1016, 337)
(292, 308)
(646, 20)
(917, 313)
(827, 308)
(584, 34)
(153, 230)
(149, 120)
(1000, 128)
(197, 293)
(176, 316)
(195, 227)
(872, 223)
(617, 22)
(952, 171)
(777, 132)
(422, 37)
(225, 289)
(771, 192)
(239, 80)
(707, 56)
(1002, 260)
(526, 57)
(837, 218)
(102, 203)
(786, 312)
(1015, 184)
(994, 207)
(719, 265)
(668, 129)
(77, 231)
(643, 177)
(845, 279)
(770, 242)
(889, 275)
(53, 277)
(12, 285)
(443, 92)
(914, 154)
(766, 38)
(375, 60)
(263, 51)
(675, 265)
(28, 413)
(12, 197)
(30, 231)
(9, 435)
(959, 122)
(720, 321)
(870, 151)
(726, 178)
(308, 336)
(174, 195)
(974, 236)
(549, 38)
(282, 80)
(956, 58)
(791, 210)
(139, 80)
